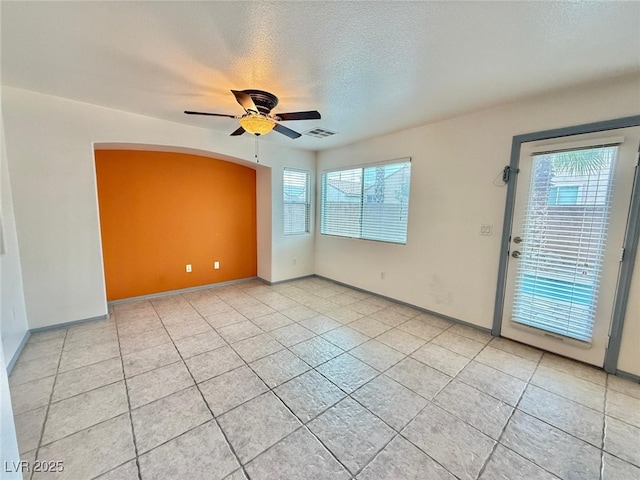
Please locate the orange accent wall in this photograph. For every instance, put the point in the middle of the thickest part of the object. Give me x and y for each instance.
(161, 211)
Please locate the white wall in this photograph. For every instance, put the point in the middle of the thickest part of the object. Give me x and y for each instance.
(49, 144)
(629, 359)
(296, 259)
(264, 221)
(446, 266)
(8, 444)
(13, 322)
(270, 218)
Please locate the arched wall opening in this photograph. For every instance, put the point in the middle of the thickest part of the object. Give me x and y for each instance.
(162, 209)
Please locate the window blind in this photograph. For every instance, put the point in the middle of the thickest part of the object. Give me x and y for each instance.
(558, 274)
(296, 201)
(371, 202)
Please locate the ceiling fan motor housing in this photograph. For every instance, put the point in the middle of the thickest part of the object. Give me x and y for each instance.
(264, 101)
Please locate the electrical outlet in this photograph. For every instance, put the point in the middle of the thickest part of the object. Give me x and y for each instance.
(216, 265)
(486, 229)
(188, 268)
(381, 275)
(295, 261)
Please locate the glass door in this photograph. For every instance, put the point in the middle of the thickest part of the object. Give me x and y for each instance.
(569, 223)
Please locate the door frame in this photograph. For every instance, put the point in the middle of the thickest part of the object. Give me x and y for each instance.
(631, 240)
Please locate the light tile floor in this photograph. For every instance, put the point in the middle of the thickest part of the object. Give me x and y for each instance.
(312, 380)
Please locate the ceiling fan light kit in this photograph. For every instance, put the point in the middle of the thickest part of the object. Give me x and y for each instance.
(257, 124)
(258, 119)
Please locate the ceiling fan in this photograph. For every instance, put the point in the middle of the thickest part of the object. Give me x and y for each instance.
(258, 119)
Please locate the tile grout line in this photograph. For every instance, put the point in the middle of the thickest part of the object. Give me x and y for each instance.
(527, 383)
(496, 441)
(55, 375)
(557, 427)
(80, 393)
(89, 364)
(302, 426)
(126, 385)
(604, 427)
(399, 433)
(161, 398)
(270, 389)
(429, 402)
(513, 413)
(213, 416)
(53, 387)
(504, 428)
(245, 364)
(312, 368)
(347, 396)
(514, 408)
(302, 423)
(91, 426)
(603, 413)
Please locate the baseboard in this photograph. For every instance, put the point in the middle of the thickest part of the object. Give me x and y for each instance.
(69, 324)
(628, 376)
(18, 351)
(57, 326)
(400, 302)
(182, 290)
(280, 282)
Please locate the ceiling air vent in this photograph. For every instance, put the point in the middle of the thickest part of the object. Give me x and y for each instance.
(319, 133)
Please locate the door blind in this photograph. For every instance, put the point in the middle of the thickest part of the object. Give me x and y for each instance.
(564, 238)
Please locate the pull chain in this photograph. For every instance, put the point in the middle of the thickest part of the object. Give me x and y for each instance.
(256, 154)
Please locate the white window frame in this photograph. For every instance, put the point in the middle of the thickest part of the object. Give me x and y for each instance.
(307, 202)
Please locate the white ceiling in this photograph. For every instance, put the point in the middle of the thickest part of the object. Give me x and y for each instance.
(369, 68)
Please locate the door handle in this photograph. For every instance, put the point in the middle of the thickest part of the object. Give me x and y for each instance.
(515, 254)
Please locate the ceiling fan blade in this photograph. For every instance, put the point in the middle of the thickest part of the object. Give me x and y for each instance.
(188, 112)
(310, 115)
(286, 131)
(245, 100)
(237, 132)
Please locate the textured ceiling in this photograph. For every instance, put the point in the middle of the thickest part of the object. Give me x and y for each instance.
(369, 68)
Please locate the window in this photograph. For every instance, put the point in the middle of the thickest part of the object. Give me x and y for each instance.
(371, 203)
(563, 195)
(297, 203)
